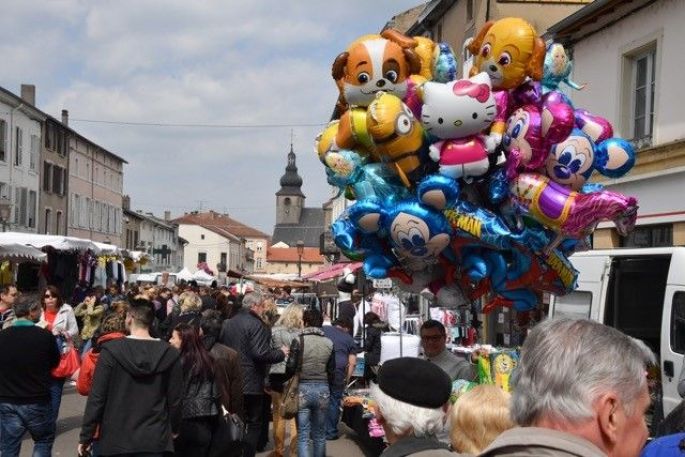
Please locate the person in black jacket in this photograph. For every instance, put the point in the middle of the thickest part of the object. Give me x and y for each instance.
(27, 356)
(246, 333)
(375, 327)
(136, 395)
(200, 393)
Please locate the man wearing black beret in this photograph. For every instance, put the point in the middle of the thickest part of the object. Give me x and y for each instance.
(411, 402)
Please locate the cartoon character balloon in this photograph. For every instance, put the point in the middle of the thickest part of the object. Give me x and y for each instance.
(569, 213)
(531, 131)
(557, 69)
(375, 63)
(456, 113)
(398, 137)
(417, 234)
(572, 161)
(509, 51)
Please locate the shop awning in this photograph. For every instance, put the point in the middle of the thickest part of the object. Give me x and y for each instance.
(19, 252)
(58, 242)
(332, 271)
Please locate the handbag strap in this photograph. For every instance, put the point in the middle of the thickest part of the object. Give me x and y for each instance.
(301, 356)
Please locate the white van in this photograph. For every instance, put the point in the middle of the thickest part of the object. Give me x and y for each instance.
(640, 292)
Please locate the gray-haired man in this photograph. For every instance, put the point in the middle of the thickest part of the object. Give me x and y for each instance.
(247, 334)
(580, 390)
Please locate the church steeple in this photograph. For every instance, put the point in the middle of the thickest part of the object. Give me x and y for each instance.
(291, 181)
(290, 199)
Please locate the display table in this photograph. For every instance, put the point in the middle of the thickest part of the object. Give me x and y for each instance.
(353, 417)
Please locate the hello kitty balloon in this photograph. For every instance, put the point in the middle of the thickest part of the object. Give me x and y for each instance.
(456, 113)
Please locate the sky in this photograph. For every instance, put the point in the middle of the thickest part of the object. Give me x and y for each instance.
(239, 63)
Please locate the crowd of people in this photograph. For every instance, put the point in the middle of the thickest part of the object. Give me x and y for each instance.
(161, 367)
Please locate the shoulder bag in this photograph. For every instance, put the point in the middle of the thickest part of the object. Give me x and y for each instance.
(230, 430)
(290, 403)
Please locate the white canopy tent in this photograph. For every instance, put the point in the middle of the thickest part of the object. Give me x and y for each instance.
(58, 242)
(19, 253)
(184, 275)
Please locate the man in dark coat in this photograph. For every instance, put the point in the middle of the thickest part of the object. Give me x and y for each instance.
(247, 334)
(27, 356)
(136, 395)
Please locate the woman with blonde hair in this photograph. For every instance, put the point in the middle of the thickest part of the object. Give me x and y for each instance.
(287, 328)
(478, 417)
(190, 306)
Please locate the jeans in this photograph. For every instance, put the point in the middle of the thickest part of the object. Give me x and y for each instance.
(16, 420)
(56, 388)
(311, 418)
(333, 415)
(253, 420)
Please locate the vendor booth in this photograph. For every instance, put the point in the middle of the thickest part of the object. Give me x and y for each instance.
(66, 262)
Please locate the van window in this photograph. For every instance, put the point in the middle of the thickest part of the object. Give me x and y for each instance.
(575, 305)
(635, 297)
(678, 323)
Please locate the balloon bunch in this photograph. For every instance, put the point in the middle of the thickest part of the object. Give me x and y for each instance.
(478, 185)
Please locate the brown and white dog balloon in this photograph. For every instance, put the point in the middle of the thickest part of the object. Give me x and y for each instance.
(375, 63)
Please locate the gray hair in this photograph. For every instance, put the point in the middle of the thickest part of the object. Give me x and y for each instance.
(252, 299)
(566, 364)
(402, 417)
(24, 306)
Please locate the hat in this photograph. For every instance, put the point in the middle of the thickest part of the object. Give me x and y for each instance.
(415, 381)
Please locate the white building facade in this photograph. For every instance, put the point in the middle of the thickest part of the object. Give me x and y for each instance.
(630, 54)
(205, 245)
(20, 143)
(159, 239)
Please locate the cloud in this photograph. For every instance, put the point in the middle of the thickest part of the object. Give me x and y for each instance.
(198, 62)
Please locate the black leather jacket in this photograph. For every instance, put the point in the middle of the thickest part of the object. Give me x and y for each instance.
(251, 338)
(200, 399)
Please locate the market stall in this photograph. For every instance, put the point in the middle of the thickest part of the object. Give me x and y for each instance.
(69, 261)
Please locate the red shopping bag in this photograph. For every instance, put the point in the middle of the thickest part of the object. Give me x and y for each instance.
(69, 363)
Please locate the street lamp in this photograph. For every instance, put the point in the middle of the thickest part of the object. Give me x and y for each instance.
(5, 210)
(300, 251)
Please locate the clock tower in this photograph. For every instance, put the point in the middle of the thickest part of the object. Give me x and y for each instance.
(290, 199)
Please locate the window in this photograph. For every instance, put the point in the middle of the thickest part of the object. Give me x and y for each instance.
(33, 157)
(76, 171)
(87, 219)
(58, 222)
(646, 236)
(47, 176)
(469, 10)
(643, 84)
(258, 264)
(48, 213)
(202, 237)
(678, 323)
(57, 180)
(18, 147)
(224, 258)
(83, 212)
(575, 305)
(201, 257)
(74, 211)
(3, 140)
(33, 201)
(20, 205)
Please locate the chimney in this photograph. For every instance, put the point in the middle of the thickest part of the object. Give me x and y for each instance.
(28, 93)
(126, 202)
(65, 117)
(167, 215)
